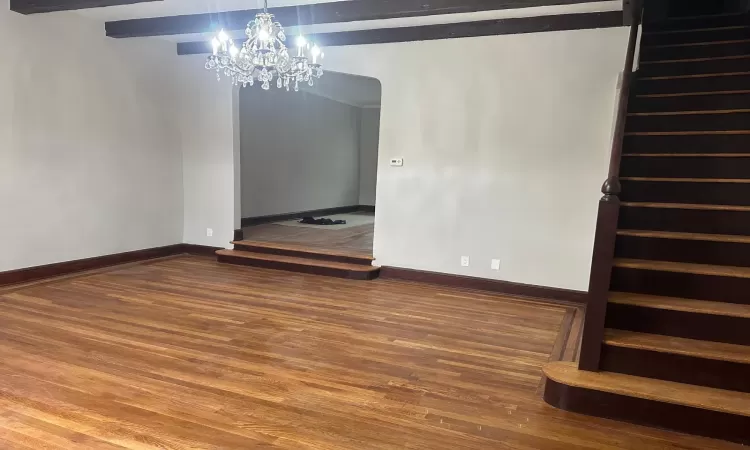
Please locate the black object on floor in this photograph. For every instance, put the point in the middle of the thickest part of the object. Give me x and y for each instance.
(321, 221)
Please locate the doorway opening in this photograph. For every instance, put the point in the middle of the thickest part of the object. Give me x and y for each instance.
(311, 154)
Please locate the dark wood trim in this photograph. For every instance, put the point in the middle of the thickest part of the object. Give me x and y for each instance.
(36, 273)
(601, 270)
(538, 24)
(728, 375)
(45, 6)
(485, 284)
(333, 12)
(239, 235)
(367, 208)
(250, 221)
(201, 250)
(607, 218)
(652, 413)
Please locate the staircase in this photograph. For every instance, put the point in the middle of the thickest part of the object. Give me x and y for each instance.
(676, 345)
(302, 259)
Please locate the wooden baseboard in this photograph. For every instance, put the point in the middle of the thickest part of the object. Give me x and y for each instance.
(485, 284)
(65, 268)
(250, 221)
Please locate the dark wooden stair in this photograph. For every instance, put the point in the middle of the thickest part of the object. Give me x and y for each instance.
(675, 351)
(300, 258)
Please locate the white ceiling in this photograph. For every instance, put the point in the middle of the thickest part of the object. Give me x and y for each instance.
(179, 7)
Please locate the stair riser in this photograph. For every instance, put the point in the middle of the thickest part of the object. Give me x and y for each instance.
(725, 34)
(687, 85)
(689, 103)
(652, 413)
(299, 268)
(302, 254)
(677, 368)
(709, 143)
(683, 250)
(686, 167)
(689, 122)
(685, 220)
(694, 51)
(682, 285)
(686, 192)
(694, 23)
(694, 67)
(704, 327)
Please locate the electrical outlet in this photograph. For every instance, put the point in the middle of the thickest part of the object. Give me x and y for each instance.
(495, 264)
(209, 232)
(465, 261)
(397, 162)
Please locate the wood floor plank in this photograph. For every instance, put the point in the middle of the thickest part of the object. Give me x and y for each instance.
(189, 353)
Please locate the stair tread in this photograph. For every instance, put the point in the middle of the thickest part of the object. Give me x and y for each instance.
(731, 402)
(700, 59)
(694, 75)
(696, 269)
(692, 44)
(686, 236)
(302, 248)
(688, 180)
(686, 206)
(688, 155)
(684, 133)
(693, 94)
(690, 113)
(678, 346)
(680, 304)
(297, 260)
(694, 30)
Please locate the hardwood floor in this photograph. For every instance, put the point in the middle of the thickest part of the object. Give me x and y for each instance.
(187, 353)
(357, 239)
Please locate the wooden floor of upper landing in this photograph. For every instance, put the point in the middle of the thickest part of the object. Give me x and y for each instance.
(188, 353)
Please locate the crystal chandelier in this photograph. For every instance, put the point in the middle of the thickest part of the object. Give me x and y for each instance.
(264, 56)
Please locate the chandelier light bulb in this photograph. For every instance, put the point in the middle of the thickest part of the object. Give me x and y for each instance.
(233, 51)
(264, 35)
(223, 36)
(315, 52)
(215, 44)
(301, 41)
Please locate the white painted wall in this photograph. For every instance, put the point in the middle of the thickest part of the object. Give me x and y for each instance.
(503, 158)
(299, 152)
(369, 135)
(209, 132)
(89, 156)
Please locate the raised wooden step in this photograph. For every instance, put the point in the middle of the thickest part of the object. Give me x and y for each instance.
(302, 265)
(736, 81)
(695, 66)
(683, 407)
(699, 362)
(689, 121)
(731, 33)
(695, 281)
(303, 251)
(722, 165)
(687, 218)
(733, 191)
(696, 23)
(681, 317)
(710, 143)
(728, 250)
(729, 48)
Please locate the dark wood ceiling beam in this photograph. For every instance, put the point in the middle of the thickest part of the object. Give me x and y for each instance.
(537, 24)
(331, 12)
(45, 6)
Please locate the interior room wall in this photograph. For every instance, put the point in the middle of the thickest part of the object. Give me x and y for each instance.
(299, 152)
(369, 136)
(502, 159)
(209, 142)
(89, 156)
